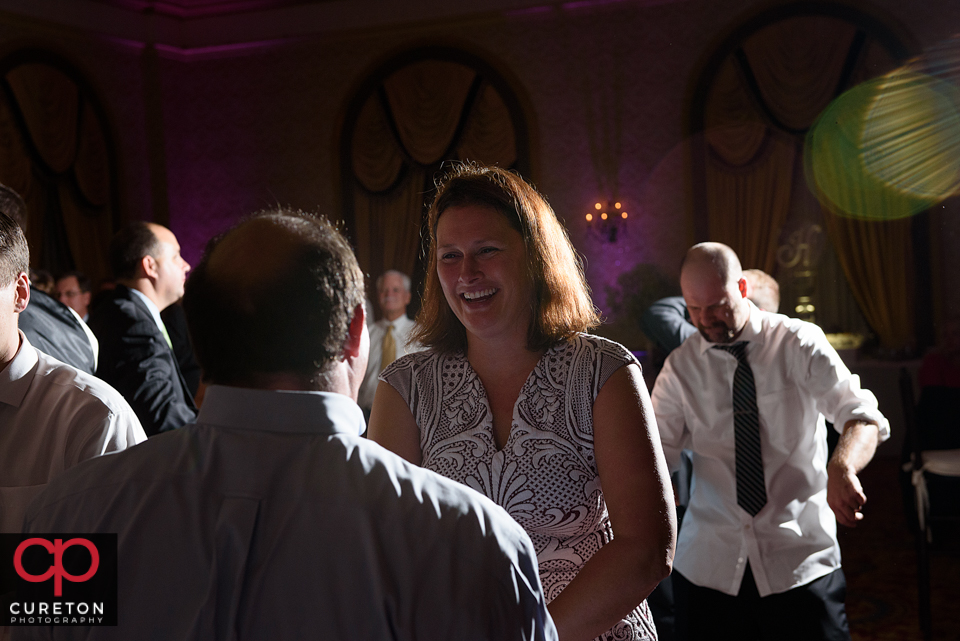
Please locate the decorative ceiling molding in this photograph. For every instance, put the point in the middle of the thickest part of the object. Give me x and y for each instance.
(195, 29)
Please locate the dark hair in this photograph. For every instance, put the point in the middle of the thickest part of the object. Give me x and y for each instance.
(83, 281)
(296, 321)
(12, 205)
(129, 245)
(14, 252)
(561, 303)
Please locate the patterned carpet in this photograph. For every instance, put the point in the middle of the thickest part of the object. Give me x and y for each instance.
(880, 562)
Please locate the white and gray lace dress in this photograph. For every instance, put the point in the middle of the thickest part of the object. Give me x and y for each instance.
(545, 477)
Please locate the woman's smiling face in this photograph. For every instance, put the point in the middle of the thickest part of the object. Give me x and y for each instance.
(482, 267)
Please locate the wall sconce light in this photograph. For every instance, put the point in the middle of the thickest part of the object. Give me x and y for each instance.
(605, 221)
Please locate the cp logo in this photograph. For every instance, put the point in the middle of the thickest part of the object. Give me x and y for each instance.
(56, 570)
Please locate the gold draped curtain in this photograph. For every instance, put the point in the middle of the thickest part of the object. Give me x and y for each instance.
(763, 98)
(66, 180)
(421, 115)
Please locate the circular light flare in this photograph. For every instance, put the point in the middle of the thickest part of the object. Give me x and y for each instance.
(616, 205)
(598, 206)
(911, 135)
(623, 215)
(589, 217)
(843, 163)
(603, 216)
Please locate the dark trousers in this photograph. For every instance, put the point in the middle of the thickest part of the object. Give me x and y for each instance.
(811, 612)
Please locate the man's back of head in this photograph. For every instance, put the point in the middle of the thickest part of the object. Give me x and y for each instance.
(287, 313)
(764, 290)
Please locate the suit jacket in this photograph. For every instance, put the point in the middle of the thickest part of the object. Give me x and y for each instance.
(667, 323)
(50, 327)
(176, 323)
(136, 360)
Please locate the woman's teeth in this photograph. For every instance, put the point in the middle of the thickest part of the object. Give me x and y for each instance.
(481, 294)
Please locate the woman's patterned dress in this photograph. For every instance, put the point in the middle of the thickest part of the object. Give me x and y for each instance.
(545, 477)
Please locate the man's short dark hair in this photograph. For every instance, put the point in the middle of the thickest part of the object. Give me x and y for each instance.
(295, 324)
(12, 205)
(14, 252)
(83, 281)
(129, 245)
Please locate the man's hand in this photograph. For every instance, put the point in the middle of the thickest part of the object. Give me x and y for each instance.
(845, 494)
(854, 450)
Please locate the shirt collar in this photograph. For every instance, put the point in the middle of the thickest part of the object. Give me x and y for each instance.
(752, 331)
(154, 310)
(14, 379)
(281, 411)
(400, 322)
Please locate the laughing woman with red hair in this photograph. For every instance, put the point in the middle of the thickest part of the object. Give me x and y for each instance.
(515, 400)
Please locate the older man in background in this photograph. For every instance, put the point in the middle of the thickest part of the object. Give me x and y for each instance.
(389, 336)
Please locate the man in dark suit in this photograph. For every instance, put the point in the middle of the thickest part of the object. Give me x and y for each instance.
(135, 349)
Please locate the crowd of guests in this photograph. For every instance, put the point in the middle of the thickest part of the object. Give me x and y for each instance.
(511, 479)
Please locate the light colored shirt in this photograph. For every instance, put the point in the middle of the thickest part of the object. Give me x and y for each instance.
(800, 379)
(152, 307)
(270, 519)
(401, 334)
(52, 416)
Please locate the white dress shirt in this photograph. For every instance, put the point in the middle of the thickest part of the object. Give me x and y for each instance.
(271, 519)
(52, 416)
(800, 379)
(401, 335)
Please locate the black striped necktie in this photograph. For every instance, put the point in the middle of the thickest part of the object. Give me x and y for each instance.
(751, 493)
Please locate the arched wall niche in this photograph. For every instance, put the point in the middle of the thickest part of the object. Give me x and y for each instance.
(417, 109)
(56, 150)
(757, 94)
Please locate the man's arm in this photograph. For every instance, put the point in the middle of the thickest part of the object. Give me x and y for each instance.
(665, 323)
(111, 430)
(667, 402)
(856, 447)
(141, 366)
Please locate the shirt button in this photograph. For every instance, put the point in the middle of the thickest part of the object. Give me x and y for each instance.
(740, 560)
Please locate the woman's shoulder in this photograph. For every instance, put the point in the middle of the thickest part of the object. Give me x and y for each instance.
(598, 347)
(410, 364)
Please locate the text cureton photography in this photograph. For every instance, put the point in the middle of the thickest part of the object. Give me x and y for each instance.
(58, 579)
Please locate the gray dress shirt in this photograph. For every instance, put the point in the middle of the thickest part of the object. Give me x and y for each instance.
(271, 519)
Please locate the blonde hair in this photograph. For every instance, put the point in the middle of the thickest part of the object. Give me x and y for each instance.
(561, 305)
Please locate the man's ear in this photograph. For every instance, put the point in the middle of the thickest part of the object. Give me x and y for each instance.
(744, 286)
(148, 266)
(21, 293)
(354, 342)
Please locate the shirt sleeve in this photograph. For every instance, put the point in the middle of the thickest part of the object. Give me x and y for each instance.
(518, 608)
(668, 409)
(836, 390)
(665, 322)
(116, 431)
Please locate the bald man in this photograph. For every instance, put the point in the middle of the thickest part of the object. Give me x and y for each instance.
(136, 355)
(271, 518)
(757, 556)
